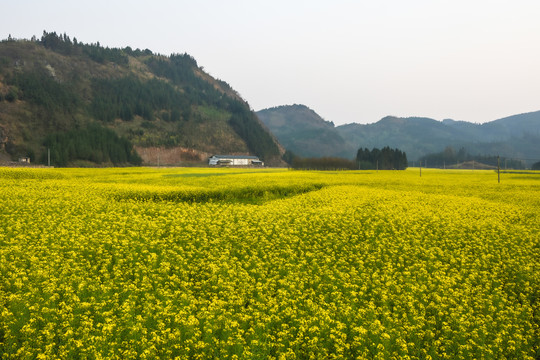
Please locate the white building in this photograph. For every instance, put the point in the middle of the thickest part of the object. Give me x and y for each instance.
(235, 160)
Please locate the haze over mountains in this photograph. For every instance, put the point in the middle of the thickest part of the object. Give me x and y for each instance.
(302, 131)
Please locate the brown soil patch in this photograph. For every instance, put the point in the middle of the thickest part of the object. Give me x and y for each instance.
(162, 156)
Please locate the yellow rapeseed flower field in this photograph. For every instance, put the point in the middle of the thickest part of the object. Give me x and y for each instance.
(218, 263)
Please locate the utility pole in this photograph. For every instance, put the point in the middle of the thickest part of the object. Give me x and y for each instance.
(498, 169)
(49, 157)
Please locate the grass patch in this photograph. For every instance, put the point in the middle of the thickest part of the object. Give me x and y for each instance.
(248, 194)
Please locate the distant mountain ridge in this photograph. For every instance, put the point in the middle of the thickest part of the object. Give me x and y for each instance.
(302, 131)
(516, 136)
(56, 86)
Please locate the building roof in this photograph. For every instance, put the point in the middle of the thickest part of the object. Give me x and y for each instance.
(236, 157)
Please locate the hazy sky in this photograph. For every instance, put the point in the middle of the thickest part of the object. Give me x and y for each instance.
(350, 61)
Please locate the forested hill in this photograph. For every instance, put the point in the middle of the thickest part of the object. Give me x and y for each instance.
(305, 133)
(301, 130)
(57, 93)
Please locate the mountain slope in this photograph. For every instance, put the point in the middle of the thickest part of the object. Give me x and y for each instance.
(416, 136)
(513, 137)
(56, 85)
(304, 132)
(516, 136)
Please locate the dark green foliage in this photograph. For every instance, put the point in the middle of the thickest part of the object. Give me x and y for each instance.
(381, 159)
(536, 166)
(137, 52)
(93, 143)
(63, 45)
(12, 95)
(325, 163)
(19, 150)
(40, 88)
(451, 158)
(129, 96)
(100, 54)
(177, 68)
(57, 43)
(180, 70)
(246, 125)
(288, 157)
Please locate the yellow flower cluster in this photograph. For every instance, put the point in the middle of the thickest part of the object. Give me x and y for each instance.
(268, 264)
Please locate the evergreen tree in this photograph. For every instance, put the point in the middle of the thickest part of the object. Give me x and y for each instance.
(93, 143)
(382, 159)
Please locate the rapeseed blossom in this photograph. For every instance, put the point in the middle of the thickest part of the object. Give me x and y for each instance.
(252, 264)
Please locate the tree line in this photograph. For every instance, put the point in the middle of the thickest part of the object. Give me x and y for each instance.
(39, 88)
(63, 44)
(124, 98)
(93, 143)
(451, 158)
(381, 159)
(245, 123)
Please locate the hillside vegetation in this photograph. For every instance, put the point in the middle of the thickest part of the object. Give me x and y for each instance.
(302, 131)
(56, 86)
